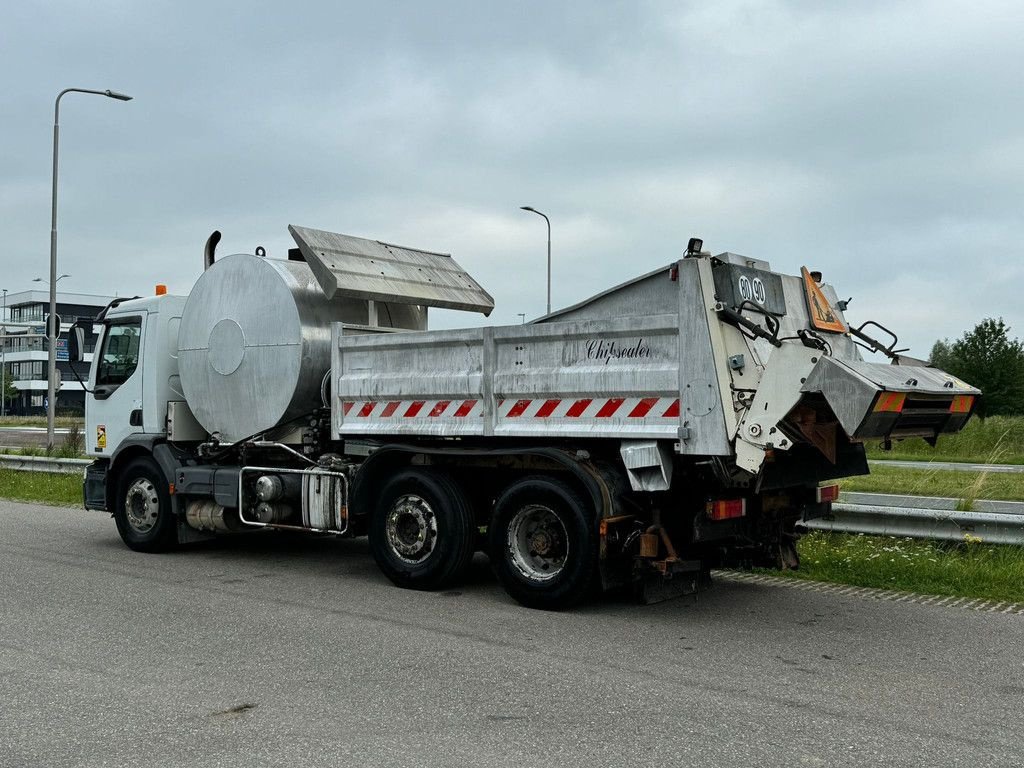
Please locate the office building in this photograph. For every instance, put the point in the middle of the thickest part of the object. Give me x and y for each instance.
(24, 349)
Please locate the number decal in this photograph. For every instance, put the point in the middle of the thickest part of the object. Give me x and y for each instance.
(758, 291)
(744, 285)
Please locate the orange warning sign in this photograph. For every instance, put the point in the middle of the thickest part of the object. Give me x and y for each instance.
(823, 317)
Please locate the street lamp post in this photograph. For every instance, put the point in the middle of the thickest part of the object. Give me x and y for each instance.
(534, 210)
(3, 358)
(51, 404)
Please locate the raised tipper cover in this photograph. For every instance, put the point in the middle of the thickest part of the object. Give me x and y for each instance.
(370, 269)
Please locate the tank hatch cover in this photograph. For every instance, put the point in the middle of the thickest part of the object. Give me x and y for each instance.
(371, 269)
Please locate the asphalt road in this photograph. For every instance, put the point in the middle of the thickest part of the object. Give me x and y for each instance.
(292, 652)
(28, 437)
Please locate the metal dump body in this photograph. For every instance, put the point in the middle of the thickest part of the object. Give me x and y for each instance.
(615, 375)
(617, 378)
(661, 357)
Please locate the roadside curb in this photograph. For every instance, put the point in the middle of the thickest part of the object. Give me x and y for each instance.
(891, 595)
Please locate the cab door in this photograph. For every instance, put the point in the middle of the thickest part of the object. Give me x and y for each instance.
(115, 406)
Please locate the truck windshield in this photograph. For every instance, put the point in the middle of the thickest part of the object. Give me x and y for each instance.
(120, 354)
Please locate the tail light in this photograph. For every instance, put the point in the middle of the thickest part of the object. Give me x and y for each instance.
(826, 494)
(726, 509)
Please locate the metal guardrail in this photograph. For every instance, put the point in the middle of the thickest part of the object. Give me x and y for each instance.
(44, 464)
(994, 522)
(954, 466)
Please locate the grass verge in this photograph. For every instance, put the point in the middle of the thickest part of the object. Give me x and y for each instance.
(40, 421)
(962, 569)
(967, 486)
(44, 487)
(996, 440)
(63, 451)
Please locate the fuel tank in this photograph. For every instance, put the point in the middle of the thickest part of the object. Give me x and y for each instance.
(255, 342)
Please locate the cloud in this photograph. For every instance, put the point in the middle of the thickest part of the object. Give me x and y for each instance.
(878, 142)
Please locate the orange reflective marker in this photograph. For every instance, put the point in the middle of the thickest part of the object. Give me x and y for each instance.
(823, 317)
(961, 404)
(890, 402)
(161, 289)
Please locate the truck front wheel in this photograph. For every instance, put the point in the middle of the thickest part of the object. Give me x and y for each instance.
(422, 531)
(142, 509)
(543, 543)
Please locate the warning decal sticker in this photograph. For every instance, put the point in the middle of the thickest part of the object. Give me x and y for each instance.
(101, 437)
(823, 317)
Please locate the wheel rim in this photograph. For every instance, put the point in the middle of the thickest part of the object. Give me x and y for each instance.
(411, 529)
(142, 506)
(538, 542)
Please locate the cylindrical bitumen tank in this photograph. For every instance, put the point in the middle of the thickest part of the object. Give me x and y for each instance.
(255, 342)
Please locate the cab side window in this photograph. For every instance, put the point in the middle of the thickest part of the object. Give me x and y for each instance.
(120, 355)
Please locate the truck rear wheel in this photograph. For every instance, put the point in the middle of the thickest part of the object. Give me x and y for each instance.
(422, 531)
(142, 509)
(543, 543)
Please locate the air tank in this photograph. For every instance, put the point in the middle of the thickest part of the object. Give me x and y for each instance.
(255, 342)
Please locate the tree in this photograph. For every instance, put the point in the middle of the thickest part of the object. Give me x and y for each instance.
(989, 359)
(11, 392)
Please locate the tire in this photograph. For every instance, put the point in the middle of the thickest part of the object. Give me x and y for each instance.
(142, 508)
(544, 543)
(422, 533)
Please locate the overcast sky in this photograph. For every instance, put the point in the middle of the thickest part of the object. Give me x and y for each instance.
(880, 142)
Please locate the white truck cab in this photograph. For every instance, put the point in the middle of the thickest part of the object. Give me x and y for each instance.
(135, 374)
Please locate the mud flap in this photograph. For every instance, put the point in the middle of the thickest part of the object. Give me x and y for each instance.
(679, 578)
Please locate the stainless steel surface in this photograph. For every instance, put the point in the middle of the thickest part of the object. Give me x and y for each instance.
(321, 497)
(707, 419)
(141, 505)
(850, 386)
(254, 342)
(924, 522)
(269, 514)
(324, 501)
(648, 464)
(269, 488)
(206, 515)
(293, 435)
(537, 542)
(651, 338)
(652, 293)
(628, 363)
(371, 269)
(411, 529)
(182, 425)
(778, 391)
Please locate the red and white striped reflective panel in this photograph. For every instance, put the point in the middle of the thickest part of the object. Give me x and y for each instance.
(558, 408)
(409, 409)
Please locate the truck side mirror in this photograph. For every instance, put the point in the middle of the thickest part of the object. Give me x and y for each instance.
(76, 340)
